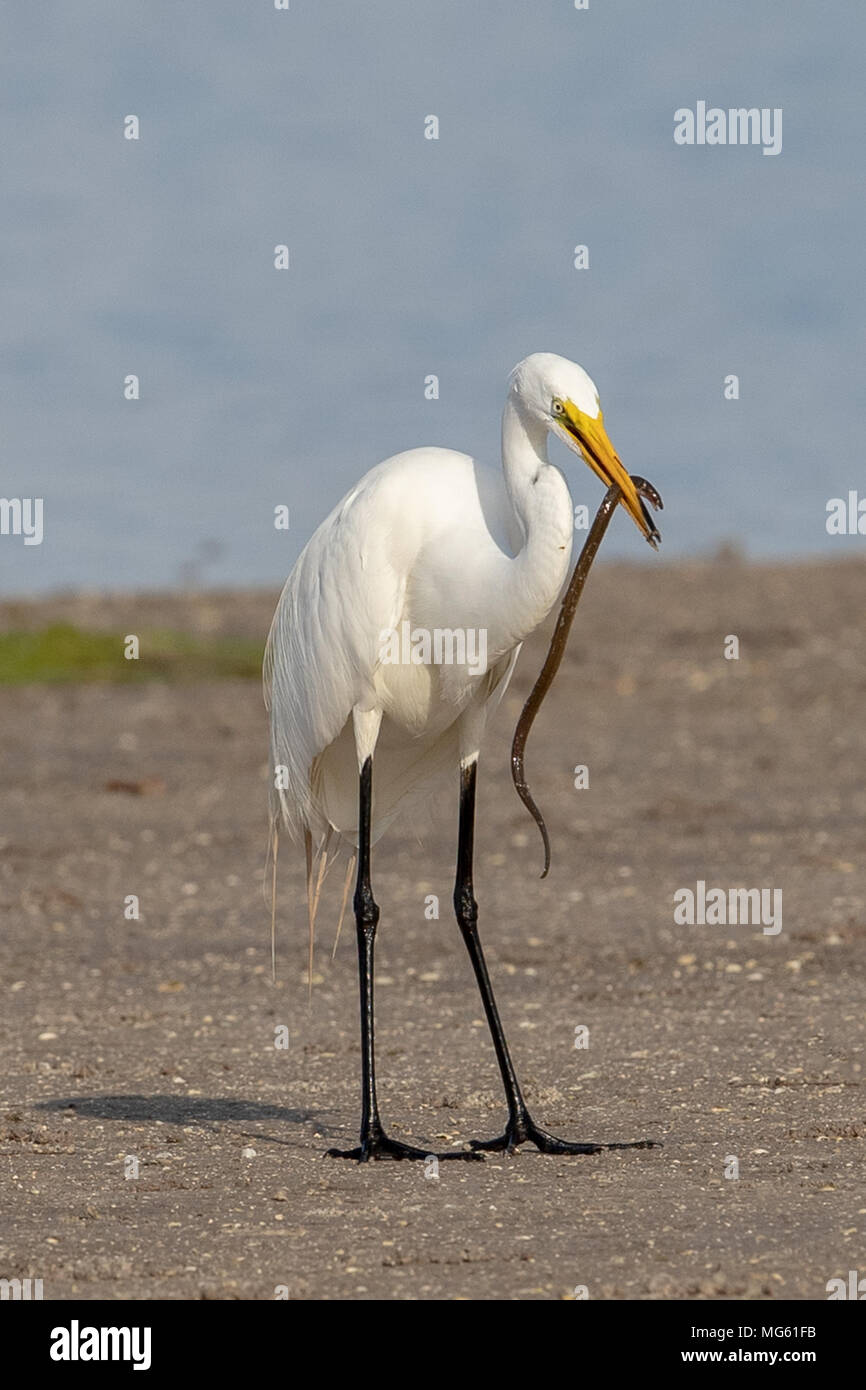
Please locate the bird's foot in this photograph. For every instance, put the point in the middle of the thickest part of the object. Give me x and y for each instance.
(378, 1145)
(522, 1129)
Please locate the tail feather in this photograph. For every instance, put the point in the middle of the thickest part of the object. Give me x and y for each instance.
(349, 871)
(319, 862)
(275, 845)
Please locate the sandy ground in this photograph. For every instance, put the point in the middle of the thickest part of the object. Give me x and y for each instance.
(148, 1047)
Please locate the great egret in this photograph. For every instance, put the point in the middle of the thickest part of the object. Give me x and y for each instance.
(427, 542)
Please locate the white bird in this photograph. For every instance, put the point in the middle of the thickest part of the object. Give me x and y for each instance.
(362, 712)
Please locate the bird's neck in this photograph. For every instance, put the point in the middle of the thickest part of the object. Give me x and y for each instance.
(542, 505)
(524, 454)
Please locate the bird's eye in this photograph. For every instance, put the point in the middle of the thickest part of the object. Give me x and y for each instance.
(558, 408)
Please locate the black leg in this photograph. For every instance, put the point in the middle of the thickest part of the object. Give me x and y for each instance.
(520, 1126)
(375, 1143)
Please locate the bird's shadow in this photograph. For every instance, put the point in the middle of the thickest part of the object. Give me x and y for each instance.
(206, 1111)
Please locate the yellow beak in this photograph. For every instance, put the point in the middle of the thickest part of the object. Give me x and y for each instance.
(592, 440)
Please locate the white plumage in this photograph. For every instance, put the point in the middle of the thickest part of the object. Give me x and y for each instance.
(431, 538)
(426, 542)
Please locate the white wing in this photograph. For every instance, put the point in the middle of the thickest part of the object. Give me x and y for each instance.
(367, 567)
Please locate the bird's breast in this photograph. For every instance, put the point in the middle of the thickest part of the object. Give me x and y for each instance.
(421, 695)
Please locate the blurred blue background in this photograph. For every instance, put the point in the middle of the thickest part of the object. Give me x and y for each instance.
(411, 257)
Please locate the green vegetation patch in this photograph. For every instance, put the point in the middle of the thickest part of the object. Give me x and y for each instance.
(66, 653)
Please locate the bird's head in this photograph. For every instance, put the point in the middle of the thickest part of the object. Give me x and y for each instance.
(560, 395)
